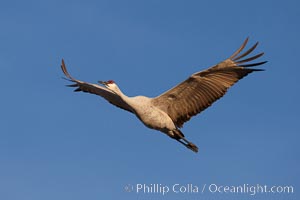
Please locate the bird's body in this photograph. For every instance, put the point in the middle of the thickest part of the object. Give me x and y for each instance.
(170, 110)
(144, 108)
(150, 115)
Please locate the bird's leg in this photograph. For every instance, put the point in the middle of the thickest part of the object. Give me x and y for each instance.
(188, 144)
(179, 136)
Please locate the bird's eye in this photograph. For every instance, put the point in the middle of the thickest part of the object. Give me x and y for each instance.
(110, 82)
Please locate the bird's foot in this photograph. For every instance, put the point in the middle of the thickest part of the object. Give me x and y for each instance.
(192, 147)
(188, 144)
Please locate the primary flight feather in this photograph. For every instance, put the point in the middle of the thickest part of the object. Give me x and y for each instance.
(170, 110)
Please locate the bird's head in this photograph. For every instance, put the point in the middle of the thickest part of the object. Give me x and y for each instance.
(110, 84)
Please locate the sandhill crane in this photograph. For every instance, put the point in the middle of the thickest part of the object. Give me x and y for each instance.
(169, 111)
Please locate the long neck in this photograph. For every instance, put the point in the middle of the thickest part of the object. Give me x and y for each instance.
(122, 95)
(135, 103)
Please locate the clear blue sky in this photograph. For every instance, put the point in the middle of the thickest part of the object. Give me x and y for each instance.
(56, 144)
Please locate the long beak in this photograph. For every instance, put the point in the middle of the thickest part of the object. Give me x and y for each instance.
(102, 82)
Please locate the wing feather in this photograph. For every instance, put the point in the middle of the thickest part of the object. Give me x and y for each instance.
(110, 96)
(203, 88)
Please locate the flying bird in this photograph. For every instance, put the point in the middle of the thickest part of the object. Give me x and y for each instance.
(169, 111)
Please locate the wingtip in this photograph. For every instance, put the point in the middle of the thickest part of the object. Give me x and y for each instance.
(246, 53)
(249, 59)
(253, 64)
(63, 65)
(239, 49)
(64, 69)
(258, 70)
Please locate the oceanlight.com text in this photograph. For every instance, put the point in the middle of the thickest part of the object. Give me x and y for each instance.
(176, 188)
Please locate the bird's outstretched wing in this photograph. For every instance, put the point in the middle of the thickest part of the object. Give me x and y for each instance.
(95, 89)
(203, 88)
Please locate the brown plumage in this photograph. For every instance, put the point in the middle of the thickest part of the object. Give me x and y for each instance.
(107, 94)
(203, 88)
(169, 111)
